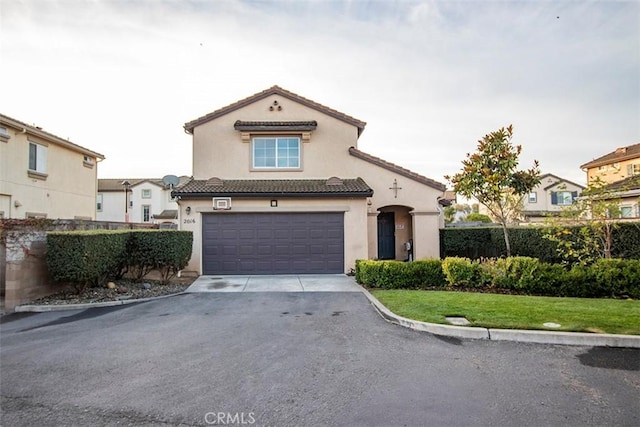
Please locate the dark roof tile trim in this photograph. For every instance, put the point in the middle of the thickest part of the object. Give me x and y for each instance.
(630, 152)
(627, 184)
(274, 188)
(397, 169)
(275, 90)
(275, 126)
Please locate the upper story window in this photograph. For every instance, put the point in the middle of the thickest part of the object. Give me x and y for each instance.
(533, 197)
(37, 158)
(563, 198)
(633, 169)
(146, 193)
(276, 153)
(99, 202)
(4, 134)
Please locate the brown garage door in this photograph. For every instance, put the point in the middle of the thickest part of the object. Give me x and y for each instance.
(273, 243)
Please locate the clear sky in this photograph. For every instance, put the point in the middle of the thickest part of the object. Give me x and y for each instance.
(430, 78)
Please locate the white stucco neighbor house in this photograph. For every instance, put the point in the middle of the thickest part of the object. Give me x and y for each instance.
(280, 186)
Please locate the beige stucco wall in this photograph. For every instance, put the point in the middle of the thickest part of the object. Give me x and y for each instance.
(219, 151)
(355, 221)
(69, 190)
(612, 172)
(543, 202)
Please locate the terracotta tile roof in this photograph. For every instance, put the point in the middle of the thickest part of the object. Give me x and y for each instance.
(620, 154)
(277, 126)
(274, 187)
(36, 131)
(627, 184)
(275, 90)
(115, 184)
(397, 169)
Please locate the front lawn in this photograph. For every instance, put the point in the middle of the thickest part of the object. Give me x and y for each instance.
(611, 316)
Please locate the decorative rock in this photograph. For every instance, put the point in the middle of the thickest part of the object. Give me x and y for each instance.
(111, 285)
(146, 286)
(122, 290)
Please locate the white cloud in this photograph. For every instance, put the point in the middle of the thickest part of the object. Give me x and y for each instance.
(430, 78)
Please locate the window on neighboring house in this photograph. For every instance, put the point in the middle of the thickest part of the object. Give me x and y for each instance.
(626, 211)
(99, 203)
(146, 193)
(4, 134)
(37, 158)
(146, 213)
(533, 197)
(276, 153)
(633, 169)
(563, 198)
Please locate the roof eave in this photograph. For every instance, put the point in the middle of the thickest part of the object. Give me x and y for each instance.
(209, 194)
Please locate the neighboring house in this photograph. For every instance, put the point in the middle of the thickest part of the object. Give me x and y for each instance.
(148, 200)
(279, 186)
(621, 170)
(615, 166)
(43, 175)
(549, 197)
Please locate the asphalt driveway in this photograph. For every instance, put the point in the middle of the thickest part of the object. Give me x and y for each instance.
(293, 359)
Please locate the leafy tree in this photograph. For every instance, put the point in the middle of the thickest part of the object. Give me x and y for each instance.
(478, 217)
(595, 213)
(451, 212)
(490, 175)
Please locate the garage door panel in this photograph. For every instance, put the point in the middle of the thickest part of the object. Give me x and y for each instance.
(278, 243)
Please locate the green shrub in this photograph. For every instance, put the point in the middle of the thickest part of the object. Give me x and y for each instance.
(427, 273)
(460, 271)
(478, 217)
(400, 275)
(516, 273)
(85, 258)
(167, 251)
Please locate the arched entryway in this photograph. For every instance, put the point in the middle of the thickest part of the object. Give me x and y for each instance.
(395, 230)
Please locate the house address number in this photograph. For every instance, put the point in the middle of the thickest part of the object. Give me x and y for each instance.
(189, 221)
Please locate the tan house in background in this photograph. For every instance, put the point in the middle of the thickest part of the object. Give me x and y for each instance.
(279, 186)
(43, 175)
(621, 170)
(549, 197)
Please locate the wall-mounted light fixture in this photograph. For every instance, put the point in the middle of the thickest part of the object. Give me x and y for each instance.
(274, 203)
(188, 210)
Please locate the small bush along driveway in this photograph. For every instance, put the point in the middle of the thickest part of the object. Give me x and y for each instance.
(613, 316)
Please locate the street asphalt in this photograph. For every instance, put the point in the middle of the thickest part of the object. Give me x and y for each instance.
(294, 359)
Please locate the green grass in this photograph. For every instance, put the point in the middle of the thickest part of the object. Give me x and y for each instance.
(516, 312)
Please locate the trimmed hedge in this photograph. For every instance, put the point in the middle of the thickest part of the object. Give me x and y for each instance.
(524, 275)
(488, 242)
(86, 258)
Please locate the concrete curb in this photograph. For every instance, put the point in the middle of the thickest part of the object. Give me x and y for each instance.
(32, 308)
(537, 337)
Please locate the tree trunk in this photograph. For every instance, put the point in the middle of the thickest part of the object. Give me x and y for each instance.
(506, 238)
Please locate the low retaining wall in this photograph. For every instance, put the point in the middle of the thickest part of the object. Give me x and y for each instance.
(24, 275)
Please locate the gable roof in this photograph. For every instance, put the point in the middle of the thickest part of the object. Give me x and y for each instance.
(620, 154)
(396, 169)
(274, 188)
(627, 184)
(115, 184)
(36, 131)
(275, 90)
(559, 180)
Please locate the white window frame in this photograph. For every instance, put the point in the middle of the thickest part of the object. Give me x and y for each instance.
(628, 209)
(146, 209)
(146, 193)
(533, 197)
(99, 202)
(40, 159)
(277, 138)
(561, 200)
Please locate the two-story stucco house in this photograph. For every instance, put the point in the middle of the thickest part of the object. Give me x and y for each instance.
(280, 186)
(549, 197)
(141, 200)
(621, 170)
(43, 175)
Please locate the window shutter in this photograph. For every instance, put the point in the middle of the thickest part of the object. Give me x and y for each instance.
(629, 170)
(554, 198)
(574, 196)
